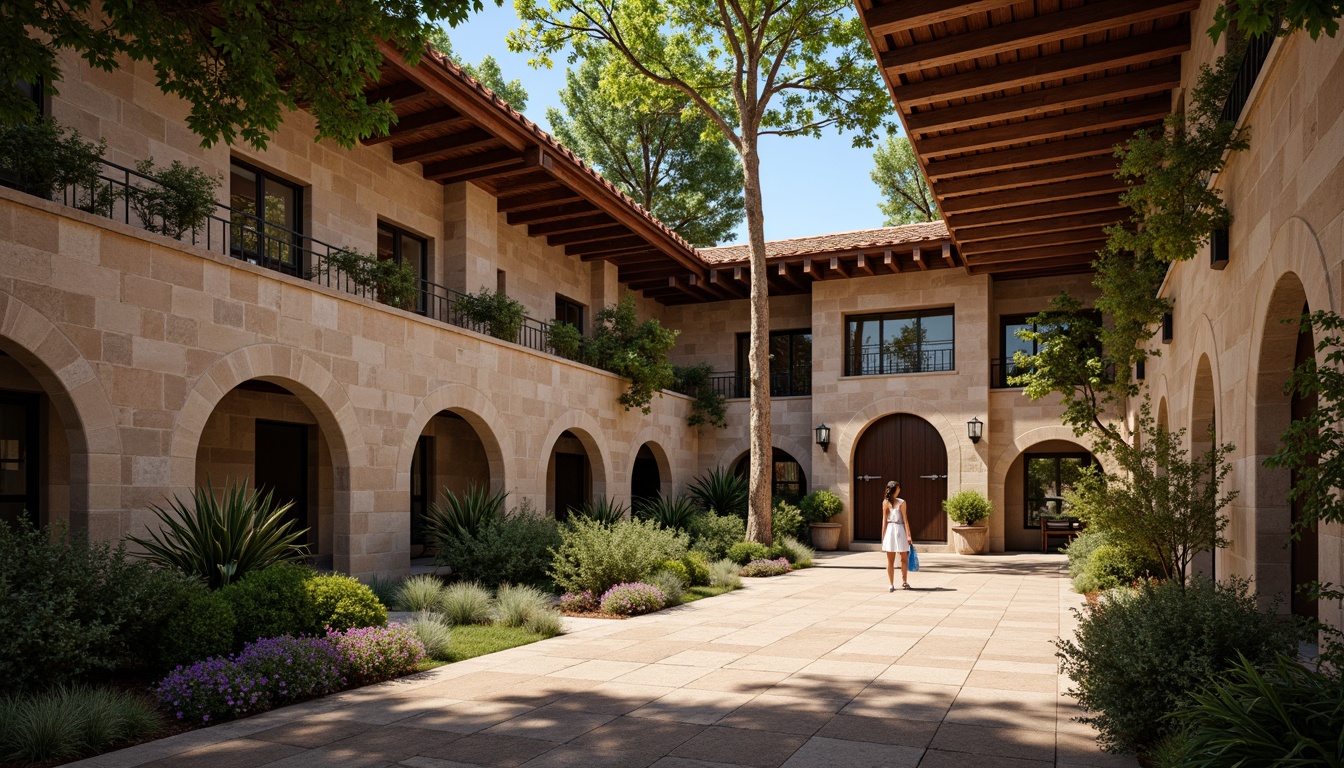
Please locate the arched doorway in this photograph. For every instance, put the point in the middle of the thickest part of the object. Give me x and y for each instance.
(1203, 436)
(569, 476)
(787, 479)
(646, 481)
(34, 450)
(901, 447)
(1304, 551)
(449, 455)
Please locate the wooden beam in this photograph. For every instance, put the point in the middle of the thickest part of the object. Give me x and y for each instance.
(1025, 177)
(1163, 77)
(890, 261)
(552, 213)
(1043, 193)
(720, 282)
(656, 271)
(1034, 254)
(837, 266)
(579, 224)
(898, 15)
(457, 168)
(782, 270)
(438, 117)
(614, 256)
(810, 270)
(589, 235)
(1036, 211)
(919, 260)
(947, 255)
(612, 246)
(539, 180)
(742, 275)
(441, 145)
(968, 235)
(863, 264)
(1044, 239)
(1055, 66)
(530, 201)
(1021, 132)
(395, 94)
(1024, 157)
(1079, 263)
(1036, 30)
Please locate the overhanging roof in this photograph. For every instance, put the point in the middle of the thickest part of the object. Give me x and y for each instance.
(1013, 109)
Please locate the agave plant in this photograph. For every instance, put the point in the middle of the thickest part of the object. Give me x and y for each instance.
(606, 511)
(222, 539)
(721, 491)
(674, 513)
(463, 515)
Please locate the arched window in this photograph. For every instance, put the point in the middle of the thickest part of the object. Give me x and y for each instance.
(787, 480)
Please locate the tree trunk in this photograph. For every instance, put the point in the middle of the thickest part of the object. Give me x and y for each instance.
(762, 460)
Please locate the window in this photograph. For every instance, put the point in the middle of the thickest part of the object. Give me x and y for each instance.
(1010, 344)
(786, 475)
(569, 311)
(1048, 476)
(266, 219)
(790, 363)
(398, 245)
(34, 92)
(500, 282)
(899, 342)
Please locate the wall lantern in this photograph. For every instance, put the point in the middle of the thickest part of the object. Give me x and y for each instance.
(975, 429)
(824, 437)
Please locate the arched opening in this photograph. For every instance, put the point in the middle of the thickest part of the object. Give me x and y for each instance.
(1203, 436)
(261, 433)
(787, 479)
(1304, 552)
(569, 475)
(1162, 420)
(34, 449)
(1035, 486)
(646, 479)
(906, 448)
(449, 455)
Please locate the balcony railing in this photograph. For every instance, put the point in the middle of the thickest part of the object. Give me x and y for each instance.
(931, 358)
(1257, 52)
(734, 385)
(246, 237)
(1002, 369)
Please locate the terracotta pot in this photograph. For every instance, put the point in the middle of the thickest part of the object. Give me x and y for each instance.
(970, 539)
(825, 536)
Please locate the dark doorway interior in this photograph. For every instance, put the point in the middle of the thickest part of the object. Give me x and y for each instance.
(422, 474)
(645, 481)
(1305, 549)
(571, 483)
(282, 468)
(19, 472)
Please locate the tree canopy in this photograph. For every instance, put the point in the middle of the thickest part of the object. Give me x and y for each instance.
(659, 149)
(240, 64)
(908, 197)
(488, 72)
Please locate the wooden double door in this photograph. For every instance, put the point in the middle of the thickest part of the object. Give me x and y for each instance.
(908, 449)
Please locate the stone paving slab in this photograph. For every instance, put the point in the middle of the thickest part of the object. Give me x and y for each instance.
(819, 668)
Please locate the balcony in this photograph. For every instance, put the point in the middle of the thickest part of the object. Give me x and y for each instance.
(1257, 52)
(737, 385)
(930, 357)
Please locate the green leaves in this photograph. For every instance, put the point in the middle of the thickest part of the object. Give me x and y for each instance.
(636, 350)
(488, 72)
(721, 491)
(908, 197)
(464, 514)
(221, 540)
(1282, 17)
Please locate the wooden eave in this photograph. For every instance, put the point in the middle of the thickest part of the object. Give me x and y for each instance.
(1013, 110)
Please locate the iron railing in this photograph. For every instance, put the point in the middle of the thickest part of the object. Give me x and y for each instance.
(929, 358)
(1001, 369)
(1257, 52)
(737, 384)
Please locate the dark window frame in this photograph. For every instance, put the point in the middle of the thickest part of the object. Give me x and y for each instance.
(779, 460)
(422, 269)
(299, 266)
(793, 382)
(31, 403)
(855, 367)
(568, 310)
(1056, 456)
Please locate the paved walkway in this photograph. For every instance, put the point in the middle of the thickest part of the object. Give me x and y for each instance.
(822, 667)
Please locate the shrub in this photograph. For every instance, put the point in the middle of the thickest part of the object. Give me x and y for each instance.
(1080, 550)
(546, 623)
(44, 160)
(181, 202)
(796, 552)
(223, 540)
(462, 515)
(669, 513)
(515, 549)
(605, 510)
(697, 569)
(433, 632)
(678, 569)
(420, 593)
(671, 585)
(272, 602)
(759, 568)
(70, 606)
(1134, 661)
(632, 599)
(721, 491)
(202, 625)
(1285, 715)
(744, 552)
(566, 340)
(712, 535)
(821, 505)
(465, 602)
(394, 283)
(709, 405)
(342, 602)
(1108, 567)
(593, 557)
(373, 654)
(68, 723)
(494, 312)
(724, 573)
(386, 588)
(778, 550)
(515, 605)
(967, 507)
(636, 350)
(293, 668)
(787, 520)
(579, 602)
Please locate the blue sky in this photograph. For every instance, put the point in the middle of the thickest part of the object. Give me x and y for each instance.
(810, 186)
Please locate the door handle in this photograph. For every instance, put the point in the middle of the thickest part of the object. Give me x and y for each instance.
(868, 477)
(933, 477)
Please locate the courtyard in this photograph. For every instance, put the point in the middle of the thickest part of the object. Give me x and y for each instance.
(823, 667)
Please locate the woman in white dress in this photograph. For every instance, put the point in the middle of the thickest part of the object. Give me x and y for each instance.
(895, 535)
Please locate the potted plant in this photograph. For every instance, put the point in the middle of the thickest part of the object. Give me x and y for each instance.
(967, 509)
(818, 508)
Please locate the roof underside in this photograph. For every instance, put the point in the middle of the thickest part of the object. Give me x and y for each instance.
(1014, 108)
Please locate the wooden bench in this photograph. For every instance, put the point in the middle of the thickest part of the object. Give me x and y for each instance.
(1067, 527)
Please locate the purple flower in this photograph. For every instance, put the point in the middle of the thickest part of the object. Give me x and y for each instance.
(632, 599)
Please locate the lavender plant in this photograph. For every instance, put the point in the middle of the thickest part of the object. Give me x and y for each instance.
(632, 599)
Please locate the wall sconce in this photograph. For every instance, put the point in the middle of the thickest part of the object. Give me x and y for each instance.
(975, 429)
(824, 437)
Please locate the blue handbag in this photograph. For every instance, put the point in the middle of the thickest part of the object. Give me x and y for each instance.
(912, 563)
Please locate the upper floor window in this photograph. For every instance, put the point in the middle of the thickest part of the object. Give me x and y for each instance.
(266, 218)
(398, 245)
(790, 363)
(569, 311)
(33, 92)
(900, 342)
(1010, 343)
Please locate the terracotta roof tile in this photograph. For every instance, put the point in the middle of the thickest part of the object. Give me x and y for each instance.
(885, 237)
